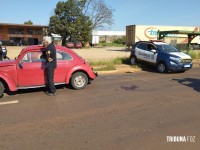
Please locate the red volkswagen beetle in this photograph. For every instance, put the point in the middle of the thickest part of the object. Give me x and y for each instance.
(28, 70)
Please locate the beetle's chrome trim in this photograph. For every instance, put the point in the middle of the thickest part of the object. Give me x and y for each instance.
(37, 86)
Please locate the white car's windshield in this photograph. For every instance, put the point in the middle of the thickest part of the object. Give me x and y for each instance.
(167, 48)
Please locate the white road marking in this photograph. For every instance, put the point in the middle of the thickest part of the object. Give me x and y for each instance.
(10, 102)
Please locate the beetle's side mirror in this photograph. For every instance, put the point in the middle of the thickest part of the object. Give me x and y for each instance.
(21, 64)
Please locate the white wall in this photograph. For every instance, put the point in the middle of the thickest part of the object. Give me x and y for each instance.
(111, 33)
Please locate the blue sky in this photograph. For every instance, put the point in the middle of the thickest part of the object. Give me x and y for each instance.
(127, 12)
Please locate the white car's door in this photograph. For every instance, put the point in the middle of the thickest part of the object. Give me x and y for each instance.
(141, 51)
(151, 53)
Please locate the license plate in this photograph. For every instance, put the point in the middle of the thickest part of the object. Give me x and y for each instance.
(187, 66)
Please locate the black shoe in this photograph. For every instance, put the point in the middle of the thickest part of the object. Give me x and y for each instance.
(51, 94)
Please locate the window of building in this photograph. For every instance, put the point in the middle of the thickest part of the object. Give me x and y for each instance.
(1, 29)
(38, 31)
(17, 41)
(30, 31)
(16, 31)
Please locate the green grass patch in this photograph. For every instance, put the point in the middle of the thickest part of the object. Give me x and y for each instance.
(104, 65)
(195, 54)
(116, 61)
(107, 65)
(111, 45)
(105, 68)
(121, 60)
(100, 63)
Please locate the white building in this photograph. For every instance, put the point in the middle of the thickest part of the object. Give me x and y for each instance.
(135, 33)
(107, 36)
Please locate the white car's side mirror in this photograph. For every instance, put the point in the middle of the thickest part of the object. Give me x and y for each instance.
(153, 50)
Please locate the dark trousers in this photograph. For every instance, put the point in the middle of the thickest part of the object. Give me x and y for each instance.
(1, 56)
(50, 79)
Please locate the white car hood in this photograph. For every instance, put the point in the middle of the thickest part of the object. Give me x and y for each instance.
(181, 55)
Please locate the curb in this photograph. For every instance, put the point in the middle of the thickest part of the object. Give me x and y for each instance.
(121, 69)
(107, 72)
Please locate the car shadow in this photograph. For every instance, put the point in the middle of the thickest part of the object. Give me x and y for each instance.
(147, 68)
(190, 82)
(153, 69)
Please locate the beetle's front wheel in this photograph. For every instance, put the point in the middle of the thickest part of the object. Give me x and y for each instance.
(79, 80)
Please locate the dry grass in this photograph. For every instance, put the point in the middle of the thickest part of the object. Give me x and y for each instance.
(93, 54)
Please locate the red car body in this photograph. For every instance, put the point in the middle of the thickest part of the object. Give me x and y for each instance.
(28, 69)
(70, 44)
(78, 45)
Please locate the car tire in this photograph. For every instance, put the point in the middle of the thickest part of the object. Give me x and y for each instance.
(162, 67)
(79, 80)
(1, 89)
(133, 60)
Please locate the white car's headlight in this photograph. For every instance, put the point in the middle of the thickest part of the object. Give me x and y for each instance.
(175, 58)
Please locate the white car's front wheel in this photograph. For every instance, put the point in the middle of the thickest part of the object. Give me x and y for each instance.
(162, 67)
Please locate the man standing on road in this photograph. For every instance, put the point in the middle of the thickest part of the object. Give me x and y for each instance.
(51, 65)
(1, 52)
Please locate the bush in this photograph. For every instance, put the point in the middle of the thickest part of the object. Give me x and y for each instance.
(110, 44)
(103, 41)
(123, 60)
(119, 41)
(195, 54)
(182, 46)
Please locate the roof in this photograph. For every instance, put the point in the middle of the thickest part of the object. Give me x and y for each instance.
(160, 43)
(23, 25)
(180, 32)
(32, 47)
(156, 42)
(36, 47)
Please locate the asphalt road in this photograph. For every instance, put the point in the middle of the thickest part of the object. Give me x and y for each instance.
(129, 111)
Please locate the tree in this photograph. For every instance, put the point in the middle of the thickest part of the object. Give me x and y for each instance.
(70, 22)
(99, 12)
(28, 22)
